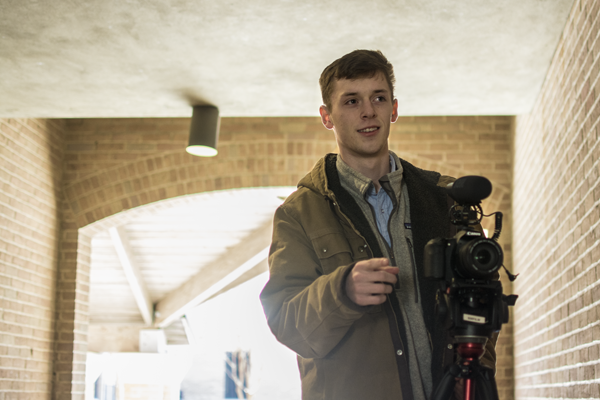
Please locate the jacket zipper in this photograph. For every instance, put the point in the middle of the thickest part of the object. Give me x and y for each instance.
(395, 318)
(414, 265)
(401, 351)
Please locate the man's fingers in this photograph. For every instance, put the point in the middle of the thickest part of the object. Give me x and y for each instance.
(384, 277)
(366, 274)
(374, 276)
(370, 300)
(372, 264)
(384, 288)
(370, 281)
(372, 289)
(390, 270)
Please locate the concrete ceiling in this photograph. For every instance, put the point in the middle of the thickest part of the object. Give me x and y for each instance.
(154, 58)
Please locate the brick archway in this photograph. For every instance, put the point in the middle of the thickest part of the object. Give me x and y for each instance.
(105, 193)
(97, 194)
(253, 152)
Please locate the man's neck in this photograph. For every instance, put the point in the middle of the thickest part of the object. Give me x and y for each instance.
(372, 167)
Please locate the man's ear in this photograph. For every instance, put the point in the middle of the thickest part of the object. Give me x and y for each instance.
(326, 117)
(395, 112)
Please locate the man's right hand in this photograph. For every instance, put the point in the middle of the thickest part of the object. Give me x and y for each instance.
(370, 281)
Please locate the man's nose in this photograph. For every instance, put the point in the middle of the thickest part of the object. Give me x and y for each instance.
(368, 111)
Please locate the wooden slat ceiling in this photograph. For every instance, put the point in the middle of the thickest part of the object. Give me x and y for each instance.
(172, 245)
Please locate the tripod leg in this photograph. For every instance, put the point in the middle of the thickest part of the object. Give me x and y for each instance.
(486, 384)
(446, 385)
(469, 389)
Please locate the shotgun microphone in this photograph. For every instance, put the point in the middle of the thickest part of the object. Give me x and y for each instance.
(470, 189)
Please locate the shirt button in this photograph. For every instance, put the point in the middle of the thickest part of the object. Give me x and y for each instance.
(399, 352)
(324, 250)
(450, 346)
(361, 249)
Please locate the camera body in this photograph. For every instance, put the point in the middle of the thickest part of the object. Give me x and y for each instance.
(470, 302)
(468, 255)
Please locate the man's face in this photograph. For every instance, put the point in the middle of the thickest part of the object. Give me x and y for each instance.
(361, 113)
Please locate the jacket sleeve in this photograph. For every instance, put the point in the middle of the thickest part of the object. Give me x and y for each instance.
(306, 309)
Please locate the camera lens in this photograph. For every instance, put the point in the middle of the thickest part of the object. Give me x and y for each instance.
(483, 256)
(479, 258)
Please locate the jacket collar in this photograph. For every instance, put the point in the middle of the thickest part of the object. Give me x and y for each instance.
(360, 185)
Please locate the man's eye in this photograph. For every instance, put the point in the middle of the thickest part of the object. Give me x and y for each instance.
(351, 101)
(380, 98)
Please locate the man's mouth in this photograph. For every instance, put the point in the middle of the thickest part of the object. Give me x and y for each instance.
(368, 130)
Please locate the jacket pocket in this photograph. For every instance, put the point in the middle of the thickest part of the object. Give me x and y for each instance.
(333, 251)
(360, 250)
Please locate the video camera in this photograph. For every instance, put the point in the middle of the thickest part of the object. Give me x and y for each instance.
(470, 303)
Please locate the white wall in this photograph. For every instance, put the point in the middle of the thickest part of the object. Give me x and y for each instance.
(235, 321)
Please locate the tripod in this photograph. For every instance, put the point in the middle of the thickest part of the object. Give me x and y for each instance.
(471, 311)
(477, 378)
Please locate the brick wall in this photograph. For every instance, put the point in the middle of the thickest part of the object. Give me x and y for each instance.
(556, 202)
(72, 317)
(152, 164)
(31, 154)
(459, 146)
(117, 164)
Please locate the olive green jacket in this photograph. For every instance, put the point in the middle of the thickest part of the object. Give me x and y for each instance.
(346, 351)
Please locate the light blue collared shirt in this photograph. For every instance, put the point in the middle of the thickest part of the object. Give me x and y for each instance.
(383, 206)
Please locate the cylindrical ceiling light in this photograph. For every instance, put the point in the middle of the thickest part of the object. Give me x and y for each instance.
(204, 131)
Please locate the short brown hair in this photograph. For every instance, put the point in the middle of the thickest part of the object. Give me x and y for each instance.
(355, 65)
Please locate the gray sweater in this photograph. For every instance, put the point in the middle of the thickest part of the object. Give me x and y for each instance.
(400, 253)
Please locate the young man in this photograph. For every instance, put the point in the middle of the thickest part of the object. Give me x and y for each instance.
(346, 289)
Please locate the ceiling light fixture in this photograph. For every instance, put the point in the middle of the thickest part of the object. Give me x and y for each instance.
(204, 131)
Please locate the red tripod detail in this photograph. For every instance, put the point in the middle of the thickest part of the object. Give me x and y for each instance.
(469, 353)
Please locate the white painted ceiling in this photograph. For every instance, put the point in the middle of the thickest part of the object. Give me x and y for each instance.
(154, 58)
(174, 244)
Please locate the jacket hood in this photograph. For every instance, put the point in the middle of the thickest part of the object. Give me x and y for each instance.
(316, 179)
